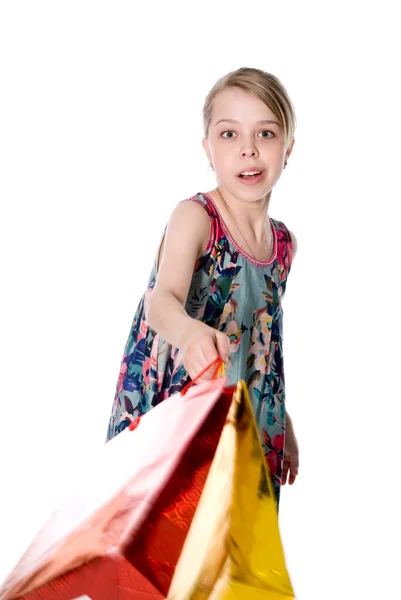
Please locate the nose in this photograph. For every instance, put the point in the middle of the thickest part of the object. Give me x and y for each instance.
(249, 150)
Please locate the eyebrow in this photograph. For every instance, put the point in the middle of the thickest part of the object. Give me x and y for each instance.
(263, 122)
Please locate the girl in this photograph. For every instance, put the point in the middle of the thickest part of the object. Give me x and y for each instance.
(221, 272)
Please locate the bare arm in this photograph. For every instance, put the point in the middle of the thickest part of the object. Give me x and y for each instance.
(291, 450)
(187, 232)
(185, 240)
(294, 244)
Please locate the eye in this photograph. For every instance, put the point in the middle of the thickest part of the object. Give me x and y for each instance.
(228, 135)
(266, 134)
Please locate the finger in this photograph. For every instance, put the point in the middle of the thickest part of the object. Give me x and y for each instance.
(293, 473)
(199, 357)
(208, 353)
(207, 376)
(208, 361)
(194, 365)
(209, 373)
(222, 345)
(284, 475)
(197, 368)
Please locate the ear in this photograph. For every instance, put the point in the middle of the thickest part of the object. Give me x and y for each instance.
(290, 147)
(207, 150)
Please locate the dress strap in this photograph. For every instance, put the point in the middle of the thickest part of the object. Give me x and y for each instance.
(203, 200)
(284, 246)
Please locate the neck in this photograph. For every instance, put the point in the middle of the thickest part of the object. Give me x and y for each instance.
(252, 216)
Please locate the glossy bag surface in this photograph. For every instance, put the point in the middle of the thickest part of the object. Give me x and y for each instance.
(121, 531)
(234, 534)
(181, 507)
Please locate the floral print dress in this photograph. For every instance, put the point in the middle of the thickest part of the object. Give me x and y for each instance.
(235, 294)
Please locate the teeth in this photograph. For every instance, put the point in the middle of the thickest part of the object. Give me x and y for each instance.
(251, 173)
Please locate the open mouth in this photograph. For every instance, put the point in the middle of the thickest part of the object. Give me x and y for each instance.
(250, 175)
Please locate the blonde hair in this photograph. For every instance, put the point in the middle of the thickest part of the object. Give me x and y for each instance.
(265, 86)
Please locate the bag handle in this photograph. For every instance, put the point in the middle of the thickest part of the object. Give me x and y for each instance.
(219, 371)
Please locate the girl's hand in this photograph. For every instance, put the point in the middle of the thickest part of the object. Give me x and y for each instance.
(202, 346)
(291, 455)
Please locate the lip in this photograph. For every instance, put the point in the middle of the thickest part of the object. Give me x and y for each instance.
(256, 180)
(249, 170)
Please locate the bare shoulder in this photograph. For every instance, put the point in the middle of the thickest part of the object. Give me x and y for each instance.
(189, 209)
(190, 220)
(186, 238)
(294, 244)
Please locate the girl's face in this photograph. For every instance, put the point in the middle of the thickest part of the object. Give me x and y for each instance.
(245, 145)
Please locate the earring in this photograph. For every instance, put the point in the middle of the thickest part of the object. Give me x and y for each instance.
(285, 164)
(211, 166)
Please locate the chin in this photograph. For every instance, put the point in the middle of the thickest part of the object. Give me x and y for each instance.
(252, 194)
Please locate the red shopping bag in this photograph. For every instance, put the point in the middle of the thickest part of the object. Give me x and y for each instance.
(120, 534)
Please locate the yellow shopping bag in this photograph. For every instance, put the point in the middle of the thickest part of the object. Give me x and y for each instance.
(233, 549)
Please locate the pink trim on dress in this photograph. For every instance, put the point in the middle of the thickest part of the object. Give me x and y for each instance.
(212, 233)
(257, 263)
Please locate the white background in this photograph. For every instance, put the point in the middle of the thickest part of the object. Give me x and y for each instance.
(100, 138)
